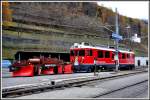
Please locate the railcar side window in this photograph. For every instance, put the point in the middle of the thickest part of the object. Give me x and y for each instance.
(133, 56)
(128, 56)
(107, 54)
(89, 53)
(81, 52)
(123, 56)
(120, 55)
(100, 54)
(112, 56)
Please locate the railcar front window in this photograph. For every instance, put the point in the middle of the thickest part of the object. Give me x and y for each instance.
(81, 52)
(72, 53)
(76, 52)
(123, 56)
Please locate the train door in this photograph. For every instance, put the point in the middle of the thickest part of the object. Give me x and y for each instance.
(73, 57)
(120, 57)
(101, 59)
(112, 58)
(89, 57)
(107, 57)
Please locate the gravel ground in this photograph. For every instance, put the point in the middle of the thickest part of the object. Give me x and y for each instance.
(14, 81)
(95, 89)
(6, 73)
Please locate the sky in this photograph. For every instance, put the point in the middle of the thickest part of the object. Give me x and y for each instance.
(133, 9)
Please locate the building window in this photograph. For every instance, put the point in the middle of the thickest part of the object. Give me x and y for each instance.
(100, 54)
(146, 62)
(107, 54)
(139, 63)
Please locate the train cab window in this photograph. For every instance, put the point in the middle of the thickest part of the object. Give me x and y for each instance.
(100, 54)
(72, 53)
(123, 55)
(81, 52)
(89, 53)
(107, 54)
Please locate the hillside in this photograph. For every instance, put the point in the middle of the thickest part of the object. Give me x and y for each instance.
(56, 26)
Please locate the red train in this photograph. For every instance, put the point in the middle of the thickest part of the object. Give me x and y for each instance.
(82, 56)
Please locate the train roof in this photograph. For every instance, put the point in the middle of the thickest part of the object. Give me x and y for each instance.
(81, 46)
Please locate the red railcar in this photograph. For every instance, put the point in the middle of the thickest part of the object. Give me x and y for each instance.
(82, 56)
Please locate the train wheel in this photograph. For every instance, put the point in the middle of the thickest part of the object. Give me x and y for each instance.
(102, 69)
(74, 70)
(132, 67)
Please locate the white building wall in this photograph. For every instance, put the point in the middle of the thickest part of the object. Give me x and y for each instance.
(142, 61)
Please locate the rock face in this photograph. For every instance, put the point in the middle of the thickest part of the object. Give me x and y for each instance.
(54, 13)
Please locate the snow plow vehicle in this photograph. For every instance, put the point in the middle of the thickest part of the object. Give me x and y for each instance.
(40, 66)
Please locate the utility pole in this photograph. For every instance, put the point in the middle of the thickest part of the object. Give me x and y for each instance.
(116, 42)
(19, 57)
(94, 66)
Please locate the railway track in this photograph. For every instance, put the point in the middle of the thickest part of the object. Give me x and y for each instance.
(12, 92)
(116, 90)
